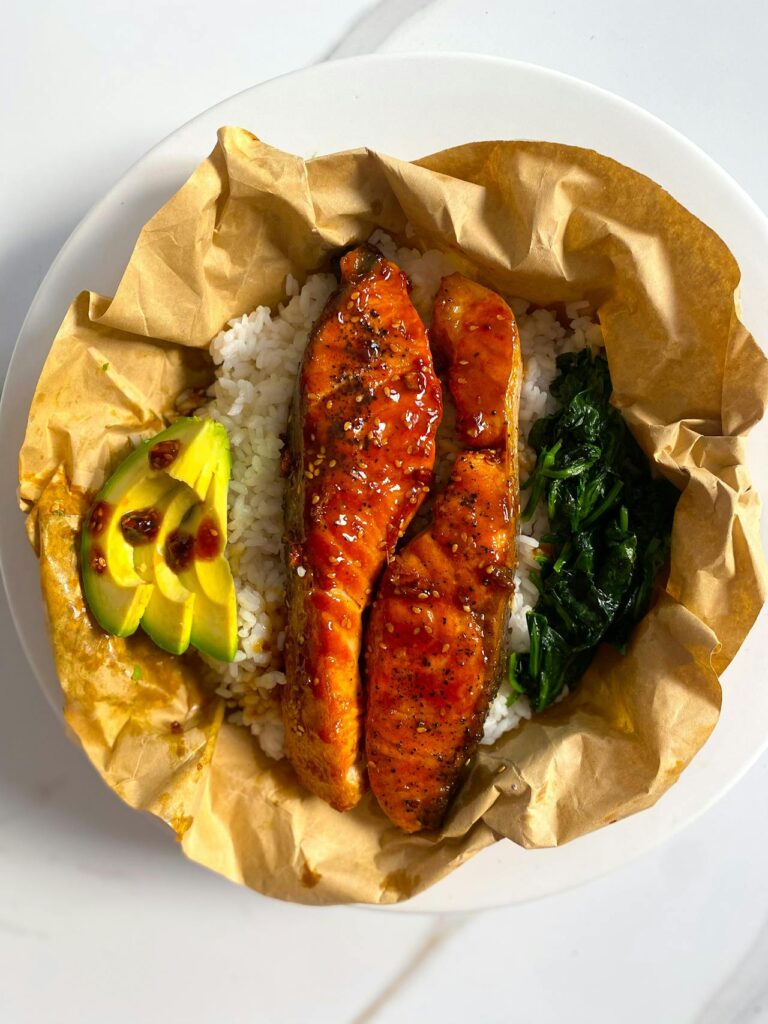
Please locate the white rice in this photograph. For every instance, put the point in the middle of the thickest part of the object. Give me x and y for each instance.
(257, 360)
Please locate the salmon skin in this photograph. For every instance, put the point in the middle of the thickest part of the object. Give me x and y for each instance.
(436, 645)
(361, 455)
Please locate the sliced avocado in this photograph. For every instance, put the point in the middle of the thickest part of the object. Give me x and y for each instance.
(116, 607)
(167, 618)
(203, 442)
(187, 455)
(204, 570)
(182, 452)
(115, 592)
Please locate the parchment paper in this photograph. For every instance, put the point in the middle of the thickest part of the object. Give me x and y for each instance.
(548, 222)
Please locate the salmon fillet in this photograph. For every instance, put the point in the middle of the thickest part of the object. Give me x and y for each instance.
(436, 645)
(474, 335)
(362, 449)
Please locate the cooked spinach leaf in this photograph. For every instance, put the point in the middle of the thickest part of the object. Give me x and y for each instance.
(610, 523)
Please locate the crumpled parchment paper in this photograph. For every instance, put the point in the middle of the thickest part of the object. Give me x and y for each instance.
(551, 223)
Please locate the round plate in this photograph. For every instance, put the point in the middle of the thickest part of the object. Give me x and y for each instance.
(410, 106)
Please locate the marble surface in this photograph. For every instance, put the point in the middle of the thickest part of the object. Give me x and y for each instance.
(99, 915)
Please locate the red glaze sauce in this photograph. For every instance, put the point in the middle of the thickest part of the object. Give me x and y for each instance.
(98, 561)
(162, 454)
(207, 540)
(179, 550)
(100, 516)
(141, 525)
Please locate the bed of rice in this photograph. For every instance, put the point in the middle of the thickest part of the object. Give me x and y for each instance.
(257, 359)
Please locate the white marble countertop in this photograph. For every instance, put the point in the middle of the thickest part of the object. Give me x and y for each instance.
(100, 917)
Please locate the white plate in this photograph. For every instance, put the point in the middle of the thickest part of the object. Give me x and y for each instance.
(410, 106)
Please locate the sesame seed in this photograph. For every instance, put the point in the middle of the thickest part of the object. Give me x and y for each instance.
(359, 398)
(383, 647)
(415, 609)
(315, 499)
(417, 630)
(466, 608)
(348, 425)
(454, 548)
(473, 327)
(463, 362)
(328, 405)
(421, 728)
(332, 463)
(389, 627)
(445, 648)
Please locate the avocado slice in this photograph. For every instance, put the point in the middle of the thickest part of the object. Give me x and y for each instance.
(116, 594)
(167, 618)
(170, 492)
(203, 568)
(116, 606)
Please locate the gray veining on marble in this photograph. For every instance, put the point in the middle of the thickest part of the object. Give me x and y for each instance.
(375, 27)
(743, 997)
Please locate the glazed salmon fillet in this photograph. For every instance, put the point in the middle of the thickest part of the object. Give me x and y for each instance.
(436, 645)
(474, 335)
(362, 449)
